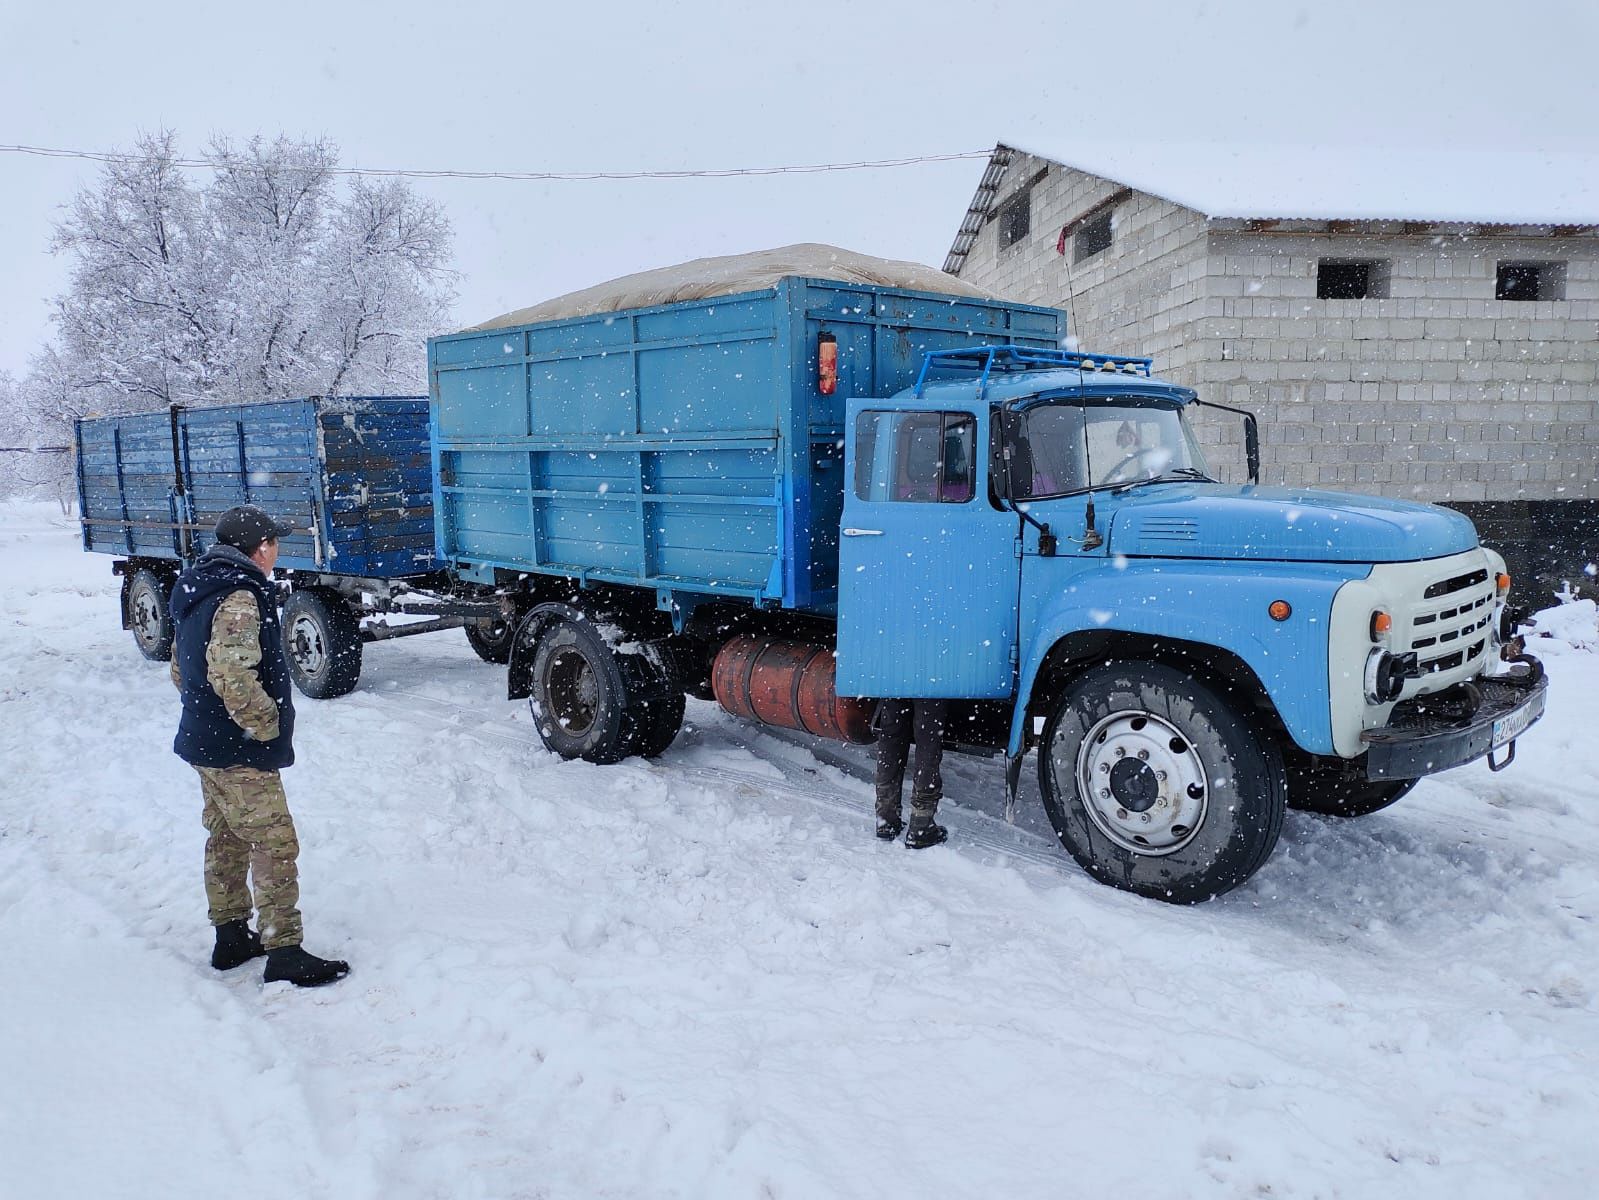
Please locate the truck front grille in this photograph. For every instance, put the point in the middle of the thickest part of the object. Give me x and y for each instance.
(1448, 626)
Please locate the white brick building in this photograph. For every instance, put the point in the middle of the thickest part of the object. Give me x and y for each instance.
(1398, 328)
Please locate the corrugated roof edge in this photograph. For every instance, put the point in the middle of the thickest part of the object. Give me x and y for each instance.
(1528, 190)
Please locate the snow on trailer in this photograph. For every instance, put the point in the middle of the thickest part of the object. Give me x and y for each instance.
(350, 475)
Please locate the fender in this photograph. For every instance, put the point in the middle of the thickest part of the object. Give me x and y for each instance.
(519, 676)
(1219, 604)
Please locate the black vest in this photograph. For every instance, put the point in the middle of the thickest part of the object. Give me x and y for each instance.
(207, 736)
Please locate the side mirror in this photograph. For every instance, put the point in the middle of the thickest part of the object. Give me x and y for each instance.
(1252, 446)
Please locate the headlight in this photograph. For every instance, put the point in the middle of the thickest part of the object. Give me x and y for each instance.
(1386, 674)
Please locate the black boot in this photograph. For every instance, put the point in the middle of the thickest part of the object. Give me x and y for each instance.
(236, 945)
(889, 821)
(924, 831)
(293, 965)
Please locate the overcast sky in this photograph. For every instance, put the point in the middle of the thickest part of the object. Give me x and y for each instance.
(623, 86)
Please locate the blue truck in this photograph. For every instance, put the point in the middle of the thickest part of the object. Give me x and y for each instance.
(802, 498)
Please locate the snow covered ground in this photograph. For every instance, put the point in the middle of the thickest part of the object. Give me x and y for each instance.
(704, 978)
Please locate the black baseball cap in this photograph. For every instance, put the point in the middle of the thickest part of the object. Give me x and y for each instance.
(246, 527)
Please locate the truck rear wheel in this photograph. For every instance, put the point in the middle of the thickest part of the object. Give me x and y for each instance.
(1333, 795)
(591, 701)
(491, 640)
(149, 614)
(322, 641)
(1155, 784)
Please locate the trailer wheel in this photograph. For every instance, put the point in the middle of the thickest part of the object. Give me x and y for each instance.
(1157, 786)
(1331, 795)
(322, 641)
(149, 614)
(491, 639)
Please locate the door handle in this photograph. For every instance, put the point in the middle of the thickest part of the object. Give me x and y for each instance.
(853, 532)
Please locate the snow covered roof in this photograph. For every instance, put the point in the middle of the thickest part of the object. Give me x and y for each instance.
(1496, 185)
(730, 274)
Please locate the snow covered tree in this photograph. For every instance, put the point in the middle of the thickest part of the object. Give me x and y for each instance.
(268, 281)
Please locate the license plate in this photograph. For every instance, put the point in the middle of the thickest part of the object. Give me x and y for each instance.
(1513, 724)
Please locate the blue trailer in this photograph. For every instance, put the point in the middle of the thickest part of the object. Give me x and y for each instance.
(352, 476)
(801, 499)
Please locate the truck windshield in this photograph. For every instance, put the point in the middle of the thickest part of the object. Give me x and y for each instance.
(1074, 447)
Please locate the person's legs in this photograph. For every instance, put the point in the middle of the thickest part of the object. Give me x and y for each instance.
(258, 811)
(227, 856)
(893, 749)
(928, 788)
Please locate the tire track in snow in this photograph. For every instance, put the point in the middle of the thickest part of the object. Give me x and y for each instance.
(977, 831)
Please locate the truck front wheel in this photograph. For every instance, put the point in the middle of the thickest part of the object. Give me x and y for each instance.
(1156, 785)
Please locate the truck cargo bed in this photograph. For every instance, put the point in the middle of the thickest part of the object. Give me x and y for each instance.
(687, 447)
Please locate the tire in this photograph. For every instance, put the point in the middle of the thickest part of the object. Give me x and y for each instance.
(1317, 790)
(149, 614)
(591, 702)
(322, 642)
(492, 640)
(1167, 748)
(663, 719)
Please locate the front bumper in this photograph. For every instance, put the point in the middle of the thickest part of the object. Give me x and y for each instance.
(1433, 733)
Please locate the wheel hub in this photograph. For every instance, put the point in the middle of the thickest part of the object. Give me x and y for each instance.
(146, 616)
(1142, 783)
(573, 690)
(305, 641)
(1133, 785)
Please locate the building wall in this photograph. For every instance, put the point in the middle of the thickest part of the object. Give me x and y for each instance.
(1439, 392)
(1140, 296)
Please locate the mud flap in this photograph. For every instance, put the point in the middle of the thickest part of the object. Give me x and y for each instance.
(1013, 776)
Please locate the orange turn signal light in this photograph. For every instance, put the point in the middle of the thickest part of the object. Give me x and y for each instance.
(1280, 610)
(1503, 582)
(1381, 623)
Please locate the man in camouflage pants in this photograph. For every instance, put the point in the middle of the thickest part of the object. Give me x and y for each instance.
(237, 731)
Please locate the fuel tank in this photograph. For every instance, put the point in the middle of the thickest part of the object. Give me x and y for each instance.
(789, 684)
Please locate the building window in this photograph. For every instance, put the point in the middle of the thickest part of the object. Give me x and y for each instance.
(1016, 219)
(1093, 235)
(1352, 279)
(1530, 281)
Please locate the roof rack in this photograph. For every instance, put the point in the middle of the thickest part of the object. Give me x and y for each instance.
(988, 359)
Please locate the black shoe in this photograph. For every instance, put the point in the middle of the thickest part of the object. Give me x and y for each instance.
(291, 964)
(923, 834)
(236, 945)
(888, 827)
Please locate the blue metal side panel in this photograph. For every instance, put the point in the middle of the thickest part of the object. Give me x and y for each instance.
(685, 446)
(125, 479)
(639, 447)
(353, 507)
(377, 486)
(263, 454)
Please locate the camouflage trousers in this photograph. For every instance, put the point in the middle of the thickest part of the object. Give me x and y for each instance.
(247, 816)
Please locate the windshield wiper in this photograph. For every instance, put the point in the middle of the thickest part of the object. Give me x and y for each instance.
(1168, 476)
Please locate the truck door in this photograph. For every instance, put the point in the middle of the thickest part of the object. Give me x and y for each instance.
(928, 568)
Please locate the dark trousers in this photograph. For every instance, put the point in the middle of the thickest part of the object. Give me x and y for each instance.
(900, 722)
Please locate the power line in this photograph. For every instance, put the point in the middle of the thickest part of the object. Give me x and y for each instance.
(420, 173)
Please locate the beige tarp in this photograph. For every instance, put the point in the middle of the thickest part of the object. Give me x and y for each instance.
(706, 277)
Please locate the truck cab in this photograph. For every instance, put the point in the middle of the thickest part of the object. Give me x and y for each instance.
(1039, 532)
